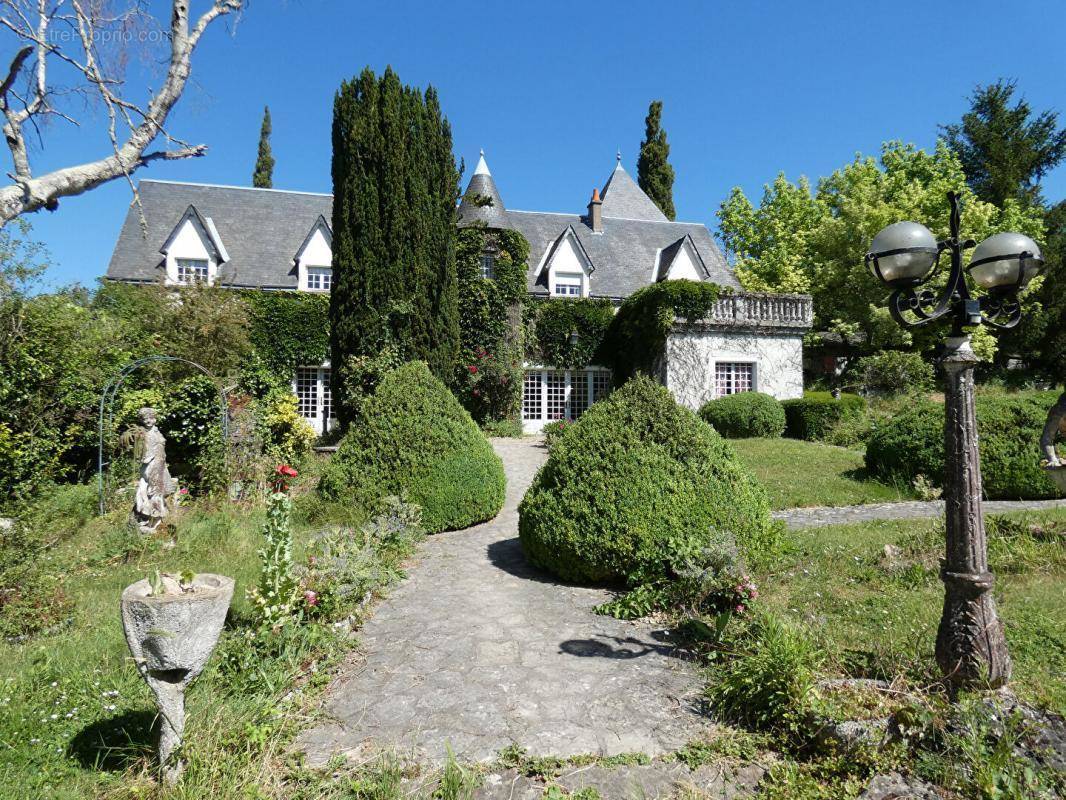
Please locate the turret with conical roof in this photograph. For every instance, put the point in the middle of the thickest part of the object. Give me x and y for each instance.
(482, 202)
(623, 198)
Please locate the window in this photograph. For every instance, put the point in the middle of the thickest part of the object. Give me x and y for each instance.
(314, 399)
(553, 394)
(319, 279)
(567, 287)
(192, 270)
(733, 377)
(488, 266)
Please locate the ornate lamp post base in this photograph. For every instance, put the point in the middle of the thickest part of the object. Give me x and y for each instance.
(971, 649)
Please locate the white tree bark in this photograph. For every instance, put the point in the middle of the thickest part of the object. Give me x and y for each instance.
(30, 21)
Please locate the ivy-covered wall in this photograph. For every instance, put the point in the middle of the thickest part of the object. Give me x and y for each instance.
(550, 321)
(288, 329)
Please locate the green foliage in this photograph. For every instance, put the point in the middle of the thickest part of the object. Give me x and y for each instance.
(31, 598)
(276, 598)
(765, 683)
(554, 431)
(364, 375)
(263, 176)
(1009, 427)
(1003, 150)
(813, 416)
(637, 334)
(892, 372)
(654, 173)
(288, 329)
(797, 240)
(192, 425)
(286, 436)
(490, 335)
(550, 322)
(395, 187)
(635, 478)
(745, 415)
(415, 439)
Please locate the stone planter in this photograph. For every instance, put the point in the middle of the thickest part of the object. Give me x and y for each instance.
(171, 636)
(1058, 475)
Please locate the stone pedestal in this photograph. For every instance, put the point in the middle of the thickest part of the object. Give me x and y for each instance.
(171, 636)
(971, 649)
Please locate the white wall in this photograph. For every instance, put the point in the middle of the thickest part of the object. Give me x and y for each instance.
(690, 357)
(188, 244)
(684, 265)
(567, 259)
(317, 253)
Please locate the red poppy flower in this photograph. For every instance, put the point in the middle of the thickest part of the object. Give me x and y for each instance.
(286, 471)
(473, 369)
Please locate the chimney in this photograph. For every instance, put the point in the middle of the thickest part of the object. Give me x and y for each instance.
(596, 212)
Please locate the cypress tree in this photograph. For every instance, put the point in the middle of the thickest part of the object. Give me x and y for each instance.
(654, 173)
(395, 187)
(263, 177)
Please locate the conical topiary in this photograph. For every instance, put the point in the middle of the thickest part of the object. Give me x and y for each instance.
(414, 439)
(636, 476)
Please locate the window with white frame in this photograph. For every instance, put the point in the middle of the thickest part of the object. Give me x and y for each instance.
(319, 279)
(733, 377)
(192, 270)
(314, 398)
(553, 394)
(488, 266)
(567, 285)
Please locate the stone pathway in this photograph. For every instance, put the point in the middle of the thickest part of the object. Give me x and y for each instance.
(477, 650)
(799, 518)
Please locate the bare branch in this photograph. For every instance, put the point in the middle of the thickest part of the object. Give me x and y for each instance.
(14, 69)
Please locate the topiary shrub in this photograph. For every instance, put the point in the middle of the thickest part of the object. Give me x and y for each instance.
(814, 415)
(634, 480)
(414, 439)
(893, 372)
(745, 415)
(912, 444)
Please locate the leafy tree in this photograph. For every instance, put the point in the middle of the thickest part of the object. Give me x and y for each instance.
(799, 240)
(395, 187)
(1002, 148)
(263, 176)
(654, 173)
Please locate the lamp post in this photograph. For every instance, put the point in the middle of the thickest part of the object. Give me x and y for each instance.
(970, 647)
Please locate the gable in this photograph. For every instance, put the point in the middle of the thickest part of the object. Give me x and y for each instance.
(681, 260)
(317, 248)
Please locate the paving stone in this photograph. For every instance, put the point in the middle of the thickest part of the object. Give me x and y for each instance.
(478, 650)
(819, 516)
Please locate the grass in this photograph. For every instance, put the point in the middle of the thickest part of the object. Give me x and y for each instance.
(800, 474)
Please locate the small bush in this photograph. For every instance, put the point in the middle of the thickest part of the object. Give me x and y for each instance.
(893, 372)
(1009, 426)
(415, 440)
(745, 415)
(813, 416)
(503, 428)
(634, 479)
(553, 431)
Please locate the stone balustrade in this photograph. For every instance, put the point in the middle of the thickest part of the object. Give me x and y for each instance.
(761, 310)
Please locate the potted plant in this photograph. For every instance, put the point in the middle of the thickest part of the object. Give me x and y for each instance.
(172, 624)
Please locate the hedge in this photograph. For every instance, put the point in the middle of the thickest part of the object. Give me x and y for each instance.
(414, 439)
(813, 416)
(1009, 428)
(634, 479)
(745, 415)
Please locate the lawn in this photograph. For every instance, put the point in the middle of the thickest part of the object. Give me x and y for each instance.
(800, 474)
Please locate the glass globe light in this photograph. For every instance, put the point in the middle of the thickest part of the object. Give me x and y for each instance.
(997, 261)
(903, 253)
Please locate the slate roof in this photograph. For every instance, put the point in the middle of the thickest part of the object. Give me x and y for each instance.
(667, 256)
(482, 188)
(263, 229)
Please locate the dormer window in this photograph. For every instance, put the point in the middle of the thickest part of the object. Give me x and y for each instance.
(488, 266)
(192, 270)
(319, 279)
(567, 285)
(566, 270)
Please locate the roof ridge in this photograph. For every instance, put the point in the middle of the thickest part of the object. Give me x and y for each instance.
(624, 219)
(242, 188)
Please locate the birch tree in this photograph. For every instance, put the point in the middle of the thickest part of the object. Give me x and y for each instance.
(66, 51)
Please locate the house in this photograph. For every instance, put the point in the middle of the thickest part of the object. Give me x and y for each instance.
(275, 240)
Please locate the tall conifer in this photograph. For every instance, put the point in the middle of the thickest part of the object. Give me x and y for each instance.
(654, 173)
(395, 187)
(263, 177)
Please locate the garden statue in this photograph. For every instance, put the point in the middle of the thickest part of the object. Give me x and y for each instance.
(1056, 424)
(155, 484)
(172, 624)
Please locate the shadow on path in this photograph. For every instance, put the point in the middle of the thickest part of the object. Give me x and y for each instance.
(507, 555)
(622, 647)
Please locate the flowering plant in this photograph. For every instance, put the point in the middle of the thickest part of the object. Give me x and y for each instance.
(490, 384)
(285, 474)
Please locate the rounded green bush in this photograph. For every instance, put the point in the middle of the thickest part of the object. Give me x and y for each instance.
(414, 439)
(745, 415)
(633, 479)
(814, 415)
(1009, 427)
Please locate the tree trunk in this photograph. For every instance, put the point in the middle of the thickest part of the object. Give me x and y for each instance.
(971, 649)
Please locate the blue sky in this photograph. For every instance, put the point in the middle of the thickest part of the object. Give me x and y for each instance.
(550, 90)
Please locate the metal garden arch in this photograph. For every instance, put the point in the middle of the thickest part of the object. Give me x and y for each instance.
(107, 411)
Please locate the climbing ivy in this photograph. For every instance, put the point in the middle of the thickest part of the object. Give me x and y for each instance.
(637, 334)
(288, 329)
(549, 323)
